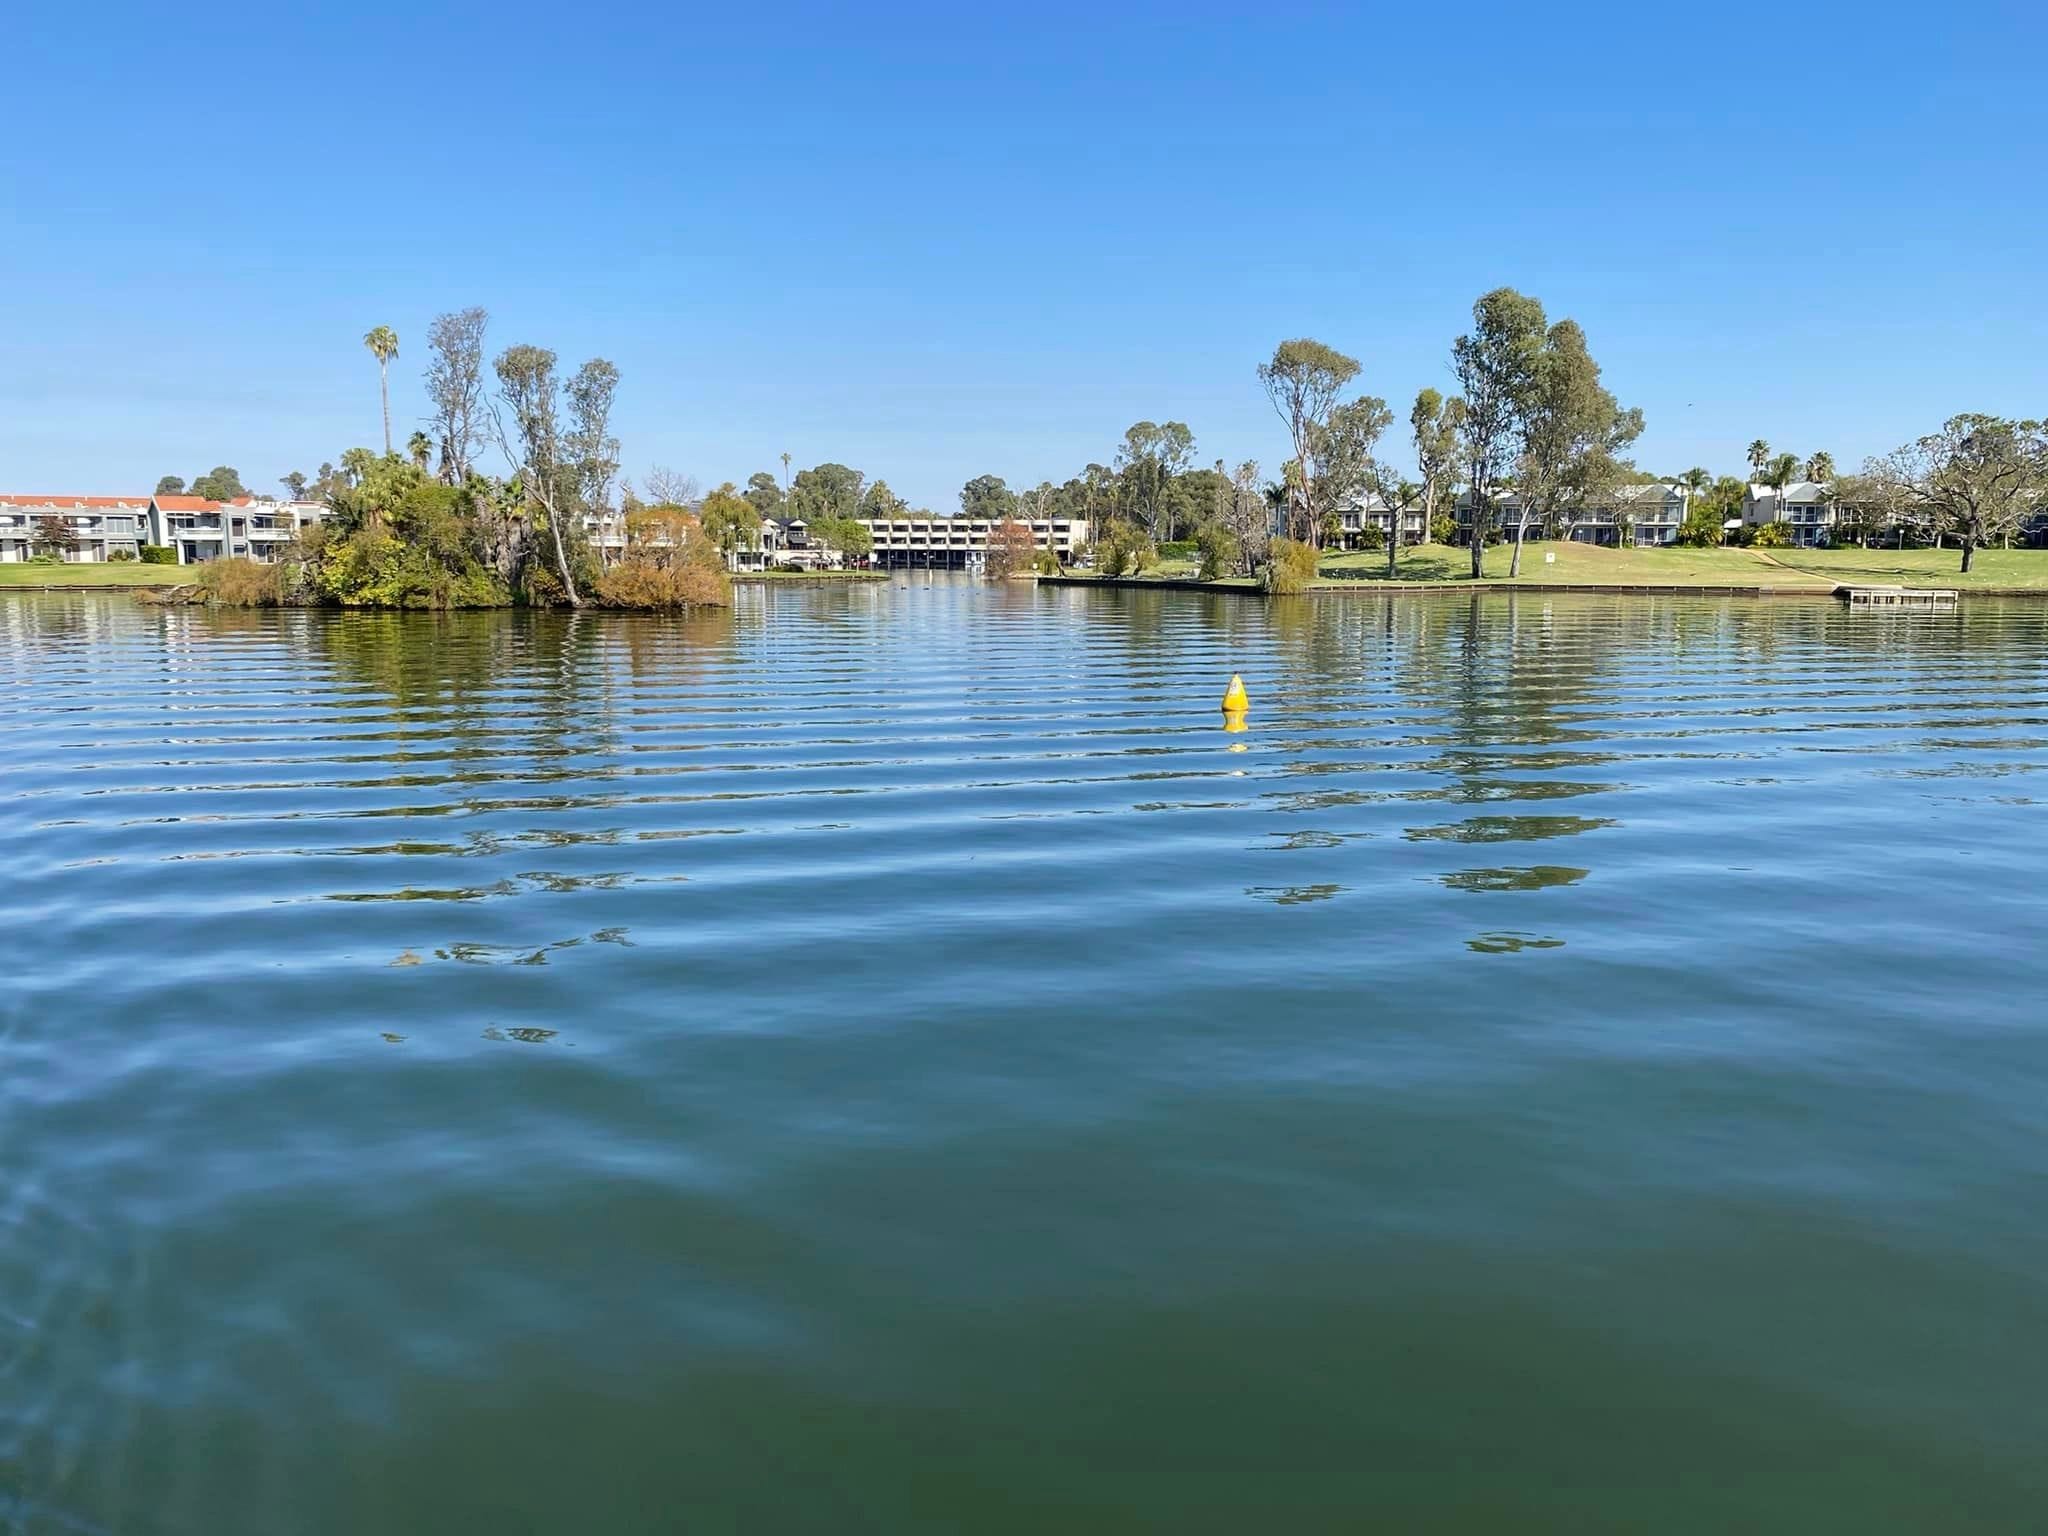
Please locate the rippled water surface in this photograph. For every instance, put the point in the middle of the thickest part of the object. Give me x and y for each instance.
(886, 1059)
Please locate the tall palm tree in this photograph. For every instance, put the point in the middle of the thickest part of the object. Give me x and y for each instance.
(1696, 479)
(383, 345)
(1759, 456)
(1820, 469)
(421, 448)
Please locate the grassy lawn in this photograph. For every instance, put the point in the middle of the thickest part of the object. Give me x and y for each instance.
(1922, 567)
(109, 574)
(1576, 564)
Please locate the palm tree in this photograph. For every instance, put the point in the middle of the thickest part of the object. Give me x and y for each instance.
(421, 448)
(383, 345)
(1820, 469)
(1759, 456)
(1696, 480)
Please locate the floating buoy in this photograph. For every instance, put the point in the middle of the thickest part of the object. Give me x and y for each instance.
(1235, 700)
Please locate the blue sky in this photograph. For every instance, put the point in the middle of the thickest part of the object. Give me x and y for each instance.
(939, 241)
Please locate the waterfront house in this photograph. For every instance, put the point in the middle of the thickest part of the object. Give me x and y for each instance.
(252, 527)
(98, 527)
(1806, 508)
(1646, 515)
(1361, 513)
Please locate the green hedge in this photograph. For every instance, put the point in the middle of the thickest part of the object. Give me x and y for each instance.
(159, 554)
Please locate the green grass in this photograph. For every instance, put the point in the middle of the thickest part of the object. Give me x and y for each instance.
(112, 573)
(2026, 568)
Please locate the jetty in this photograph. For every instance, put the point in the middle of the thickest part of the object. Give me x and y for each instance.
(1895, 597)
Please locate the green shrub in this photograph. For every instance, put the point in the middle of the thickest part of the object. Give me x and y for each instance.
(1180, 549)
(1371, 537)
(1443, 528)
(159, 554)
(242, 583)
(120, 556)
(1771, 536)
(1045, 563)
(1291, 568)
(1219, 553)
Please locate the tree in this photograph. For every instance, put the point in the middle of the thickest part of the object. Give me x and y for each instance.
(667, 561)
(221, 483)
(1572, 433)
(1152, 454)
(294, 485)
(1303, 379)
(1396, 493)
(533, 442)
(671, 488)
(54, 536)
(878, 501)
(1978, 477)
(1495, 364)
(1821, 467)
(763, 493)
(420, 449)
(593, 451)
(1435, 421)
(844, 534)
(827, 491)
(455, 386)
(383, 344)
(171, 485)
(1696, 479)
(729, 520)
(1009, 549)
(1759, 456)
(987, 496)
(1343, 455)
(1247, 517)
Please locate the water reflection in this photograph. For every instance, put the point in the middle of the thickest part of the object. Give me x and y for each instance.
(1534, 877)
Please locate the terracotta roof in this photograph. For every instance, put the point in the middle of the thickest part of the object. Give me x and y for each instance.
(74, 501)
(197, 503)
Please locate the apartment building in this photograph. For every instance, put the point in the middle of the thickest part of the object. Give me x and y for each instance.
(95, 527)
(252, 527)
(1364, 513)
(961, 543)
(1805, 507)
(1645, 515)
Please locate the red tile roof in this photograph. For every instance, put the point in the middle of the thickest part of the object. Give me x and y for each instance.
(73, 501)
(197, 503)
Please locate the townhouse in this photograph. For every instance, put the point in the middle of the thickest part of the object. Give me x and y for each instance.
(1805, 507)
(249, 527)
(89, 528)
(1650, 514)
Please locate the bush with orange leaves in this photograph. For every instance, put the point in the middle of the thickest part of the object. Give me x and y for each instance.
(668, 563)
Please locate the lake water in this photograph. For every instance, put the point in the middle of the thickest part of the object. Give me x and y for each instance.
(887, 1060)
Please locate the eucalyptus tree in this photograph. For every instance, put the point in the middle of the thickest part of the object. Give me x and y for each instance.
(1978, 477)
(383, 344)
(1151, 455)
(533, 439)
(1495, 365)
(1573, 432)
(987, 496)
(1303, 379)
(1435, 420)
(764, 492)
(455, 388)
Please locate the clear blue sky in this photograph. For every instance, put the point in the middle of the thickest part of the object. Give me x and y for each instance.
(938, 241)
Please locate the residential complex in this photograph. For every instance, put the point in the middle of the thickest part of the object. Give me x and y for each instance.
(961, 543)
(1805, 507)
(1364, 513)
(86, 529)
(1649, 514)
(73, 528)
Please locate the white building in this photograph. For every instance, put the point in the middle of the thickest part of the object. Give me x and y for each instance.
(1805, 507)
(961, 543)
(97, 527)
(1646, 515)
(1370, 511)
(255, 528)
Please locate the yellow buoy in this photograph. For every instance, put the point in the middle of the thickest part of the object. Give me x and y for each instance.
(1235, 700)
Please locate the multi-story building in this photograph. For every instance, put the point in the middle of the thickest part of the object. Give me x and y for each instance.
(255, 528)
(961, 543)
(1367, 511)
(1805, 507)
(1634, 514)
(95, 527)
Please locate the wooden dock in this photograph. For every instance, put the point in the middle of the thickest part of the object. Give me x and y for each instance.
(1895, 597)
